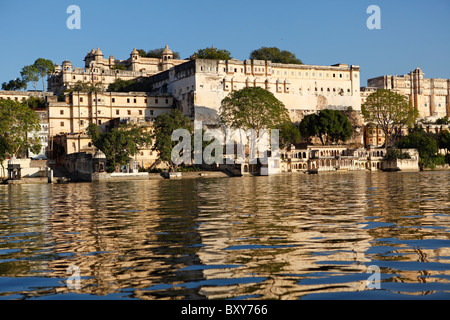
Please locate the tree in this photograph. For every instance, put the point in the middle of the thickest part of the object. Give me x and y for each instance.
(443, 140)
(120, 144)
(275, 55)
(424, 143)
(18, 123)
(212, 53)
(253, 108)
(328, 125)
(165, 124)
(43, 68)
(390, 111)
(35, 102)
(289, 134)
(156, 53)
(30, 74)
(86, 87)
(16, 84)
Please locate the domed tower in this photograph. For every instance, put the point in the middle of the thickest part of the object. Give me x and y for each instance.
(134, 57)
(167, 57)
(98, 54)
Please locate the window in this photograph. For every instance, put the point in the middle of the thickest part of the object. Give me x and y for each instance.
(117, 112)
(62, 123)
(156, 101)
(128, 100)
(140, 112)
(167, 101)
(61, 111)
(151, 112)
(145, 100)
(113, 100)
(99, 121)
(129, 112)
(134, 100)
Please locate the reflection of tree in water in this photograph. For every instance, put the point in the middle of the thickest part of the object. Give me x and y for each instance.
(125, 236)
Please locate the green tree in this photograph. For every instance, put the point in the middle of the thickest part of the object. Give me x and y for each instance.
(289, 134)
(390, 111)
(424, 143)
(212, 53)
(253, 108)
(165, 124)
(16, 84)
(18, 129)
(156, 53)
(328, 125)
(275, 55)
(30, 74)
(443, 140)
(43, 67)
(120, 144)
(35, 102)
(80, 86)
(118, 67)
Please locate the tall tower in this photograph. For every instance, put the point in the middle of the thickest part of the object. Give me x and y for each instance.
(167, 57)
(134, 56)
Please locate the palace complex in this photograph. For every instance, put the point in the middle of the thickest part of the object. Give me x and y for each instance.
(197, 87)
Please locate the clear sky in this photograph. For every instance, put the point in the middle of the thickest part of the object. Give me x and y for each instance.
(323, 32)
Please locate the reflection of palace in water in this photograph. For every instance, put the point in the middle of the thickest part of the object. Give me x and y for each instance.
(276, 237)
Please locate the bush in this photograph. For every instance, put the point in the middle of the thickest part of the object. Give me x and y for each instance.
(393, 154)
(447, 158)
(439, 160)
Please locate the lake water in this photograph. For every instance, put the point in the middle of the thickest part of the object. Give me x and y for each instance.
(284, 237)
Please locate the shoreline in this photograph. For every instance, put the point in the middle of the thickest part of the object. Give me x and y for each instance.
(202, 174)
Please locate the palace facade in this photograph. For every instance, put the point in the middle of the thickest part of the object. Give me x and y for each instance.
(431, 97)
(104, 71)
(198, 86)
(79, 109)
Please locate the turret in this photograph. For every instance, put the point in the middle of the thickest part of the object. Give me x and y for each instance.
(167, 57)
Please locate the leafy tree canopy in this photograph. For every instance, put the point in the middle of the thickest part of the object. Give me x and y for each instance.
(253, 108)
(390, 111)
(13, 85)
(86, 87)
(289, 134)
(155, 53)
(120, 144)
(120, 85)
(274, 54)
(18, 123)
(41, 68)
(424, 143)
(165, 124)
(328, 125)
(212, 53)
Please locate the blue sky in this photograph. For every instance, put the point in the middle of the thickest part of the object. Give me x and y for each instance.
(324, 32)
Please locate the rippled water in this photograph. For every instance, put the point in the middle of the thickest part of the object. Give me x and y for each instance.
(285, 237)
